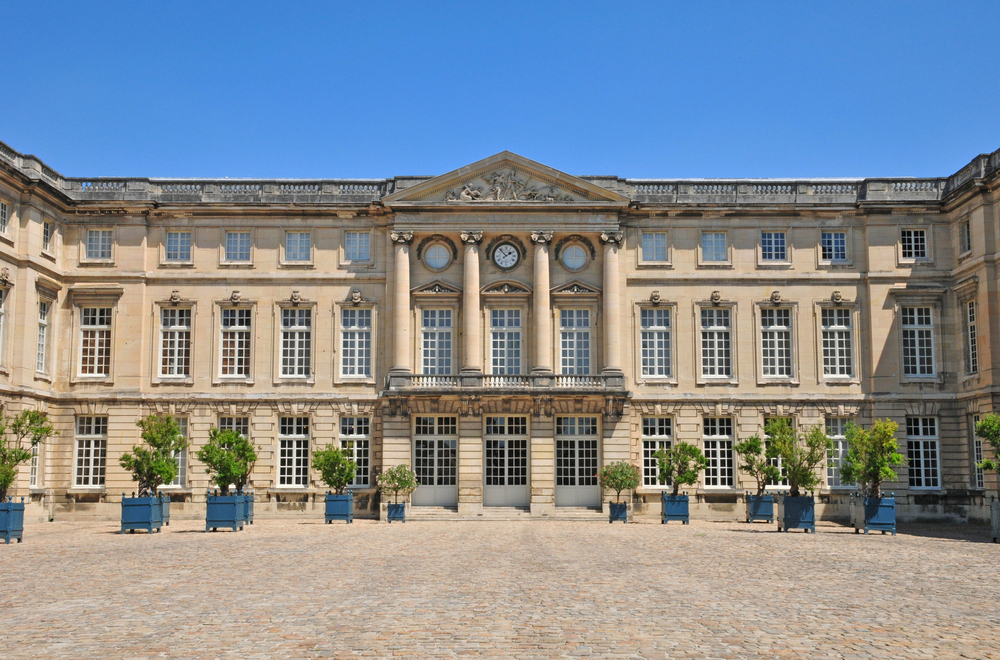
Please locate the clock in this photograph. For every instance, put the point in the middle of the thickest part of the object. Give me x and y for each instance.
(506, 256)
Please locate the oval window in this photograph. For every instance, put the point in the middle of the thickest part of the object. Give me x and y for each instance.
(437, 257)
(574, 257)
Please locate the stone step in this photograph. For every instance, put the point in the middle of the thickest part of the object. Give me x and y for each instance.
(585, 514)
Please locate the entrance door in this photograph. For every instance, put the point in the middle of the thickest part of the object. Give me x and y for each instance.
(505, 472)
(576, 462)
(435, 461)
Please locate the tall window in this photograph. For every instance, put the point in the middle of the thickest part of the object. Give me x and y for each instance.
(298, 246)
(356, 342)
(175, 342)
(918, 341)
(713, 246)
(838, 347)
(655, 342)
(3, 316)
(296, 342)
(239, 424)
(978, 478)
(654, 246)
(178, 246)
(4, 217)
(46, 235)
(836, 430)
(356, 436)
(293, 451)
(965, 237)
(41, 347)
(180, 457)
(435, 459)
(357, 246)
(971, 339)
(95, 344)
(718, 441)
(914, 242)
(505, 331)
(236, 342)
(833, 246)
(922, 451)
(576, 457)
(776, 342)
(33, 477)
(437, 341)
(574, 339)
(91, 450)
(237, 246)
(772, 246)
(657, 434)
(716, 354)
(99, 244)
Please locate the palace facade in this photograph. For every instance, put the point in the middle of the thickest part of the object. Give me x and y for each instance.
(505, 329)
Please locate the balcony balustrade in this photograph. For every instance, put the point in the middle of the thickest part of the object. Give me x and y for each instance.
(489, 383)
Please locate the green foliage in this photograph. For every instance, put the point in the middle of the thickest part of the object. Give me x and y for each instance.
(801, 454)
(871, 456)
(18, 434)
(335, 466)
(230, 457)
(680, 465)
(755, 463)
(154, 465)
(399, 480)
(618, 477)
(988, 429)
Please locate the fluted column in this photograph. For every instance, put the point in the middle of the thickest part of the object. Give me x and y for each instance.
(401, 301)
(472, 357)
(612, 310)
(542, 306)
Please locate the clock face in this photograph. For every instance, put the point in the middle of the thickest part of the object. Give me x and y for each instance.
(506, 256)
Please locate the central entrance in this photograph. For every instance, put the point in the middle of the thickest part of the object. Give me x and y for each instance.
(435, 461)
(576, 462)
(505, 462)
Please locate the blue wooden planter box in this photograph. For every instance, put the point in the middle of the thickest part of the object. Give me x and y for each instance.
(675, 507)
(796, 513)
(396, 512)
(166, 509)
(619, 511)
(873, 513)
(994, 519)
(142, 513)
(12, 520)
(760, 507)
(340, 507)
(248, 508)
(225, 511)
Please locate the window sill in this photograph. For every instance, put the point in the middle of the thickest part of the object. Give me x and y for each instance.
(45, 378)
(176, 264)
(360, 265)
(289, 380)
(915, 263)
(48, 255)
(719, 265)
(835, 264)
(6, 238)
(185, 381)
(967, 378)
(718, 381)
(223, 380)
(666, 382)
(792, 382)
(93, 380)
(236, 265)
(666, 265)
(86, 490)
(297, 265)
(840, 381)
(774, 265)
(348, 380)
(4, 371)
(95, 263)
(921, 380)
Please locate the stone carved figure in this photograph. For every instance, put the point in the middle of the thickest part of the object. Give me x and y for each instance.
(175, 297)
(654, 297)
(541, 237)
(235, 297)
(612, 237)
(776, 297)
(471, 237)
(506, 186)
(837, 297)
(296, 297)
(716, 297)
(356, 297)
(401, 237)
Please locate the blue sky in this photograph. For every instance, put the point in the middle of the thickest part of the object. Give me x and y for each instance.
(377, 89)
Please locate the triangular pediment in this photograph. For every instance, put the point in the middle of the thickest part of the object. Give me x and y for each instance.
(503, 180)
(506, 287)
(576, 287)
(439, 287)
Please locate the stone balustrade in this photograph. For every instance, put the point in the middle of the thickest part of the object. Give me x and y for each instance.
(489, 383)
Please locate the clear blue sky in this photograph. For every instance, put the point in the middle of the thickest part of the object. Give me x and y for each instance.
(377, 89)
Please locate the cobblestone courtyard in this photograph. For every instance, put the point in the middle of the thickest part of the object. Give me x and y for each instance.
(295, 588)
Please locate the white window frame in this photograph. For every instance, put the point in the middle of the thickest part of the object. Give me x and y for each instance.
(643, 259)
(85, 327)
(964, 238)
(106, 233)
(699, 345)
(911, 330)
(295, 334)
(767, 335)
(170, 342)
(293, 452)
(426, 314)
(340, 334)
(218, 343)
(782, 482)
(165, 259)
(562, 334)
(356, 436)
(978, 475)
(970, 336)
(657, 432)
(34, 471)
(837, 333)
(923, 447)
(180, 457)
(499, 340)
(836, 430)
(642, 357)
(238, 423)
(91, 435)
(4, 327)
(704, 262)
(6, 214)
(345, 261)
(715, 453)
(832, 260)
(908, 235)
(48, 233)
(224, 258)
(286, 258)
(762, 251)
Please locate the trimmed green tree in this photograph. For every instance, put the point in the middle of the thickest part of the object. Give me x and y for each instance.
(802, 453)
(397, 480)
(872, 455)
(680, 465)
(154, 465)
(755, 463)
(19, 434)
(336, 467)
(229, 456)
(618, 477)
(988, 429)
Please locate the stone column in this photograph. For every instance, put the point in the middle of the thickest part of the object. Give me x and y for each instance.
(612, 309)
(401, 301)
(472, 357)
(542, 306)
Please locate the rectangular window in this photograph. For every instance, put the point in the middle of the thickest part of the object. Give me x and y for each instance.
(99, 244)
(95, 341)
(4, 217)
(978, 477)
(91, 450)
(33, 476)
(716, 354)
(655, 342)
(238, 246)
(505, 458)
(654, 246)
(357, 246)
(180, 457)
(914, 242)
(239, 424)
(918, 341)
(772, 246)
(838, 349)
(776, 461)
(776, 342)
(293, 452)
(836, 430)
(713, 246)
(298, 246)
(833, 245)
(922, 451)
(178, 246)
(574, 339)
(718, 441)
(3, 319)
(355, 436)
(437, 341)
(965, 237)
(576, 457)
(657, 434)
(175, 342)
(356, 342)
(435, 460)
(296, 343)
(505, 331)
(236, 335)
(971, 339)
(46, 235)
(41, 347)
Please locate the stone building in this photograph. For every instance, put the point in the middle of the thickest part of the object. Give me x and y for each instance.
(505, 328)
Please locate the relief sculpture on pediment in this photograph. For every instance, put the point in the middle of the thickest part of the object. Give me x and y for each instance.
(506, 185)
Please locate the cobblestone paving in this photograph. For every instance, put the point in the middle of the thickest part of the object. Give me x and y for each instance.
(521, 589)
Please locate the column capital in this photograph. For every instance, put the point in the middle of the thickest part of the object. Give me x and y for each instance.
(471, 237)
(401, 237)
(541, 237)
(612, 237)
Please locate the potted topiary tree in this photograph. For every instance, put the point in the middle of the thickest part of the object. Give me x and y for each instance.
(337, 471)
(18, 435)
(618, 477)
(229, 456)
(871, 456)
(151, 466)
(988, 429)
(801, 455)
(399, 480)
(758, 466)
(678, 466)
